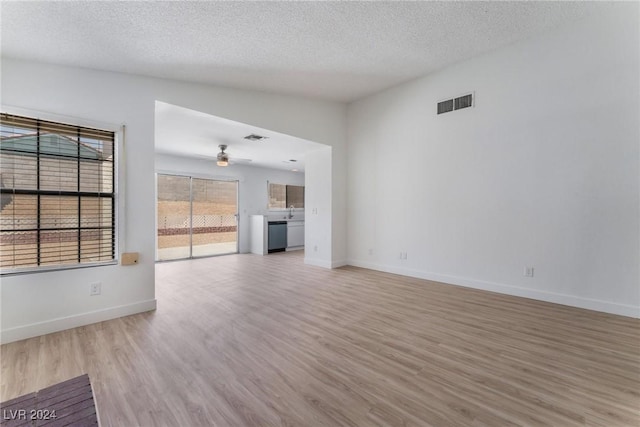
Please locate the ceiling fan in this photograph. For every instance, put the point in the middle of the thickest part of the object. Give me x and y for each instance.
(223, 157)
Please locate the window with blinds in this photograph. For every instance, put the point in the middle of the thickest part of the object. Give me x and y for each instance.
(283, 196)
(295, 196)
(57, 194)
(277, 196)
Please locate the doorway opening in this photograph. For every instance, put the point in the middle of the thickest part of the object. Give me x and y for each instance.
(196, 217)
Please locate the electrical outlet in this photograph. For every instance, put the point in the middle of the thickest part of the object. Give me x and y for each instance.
(370, 251)
(315, 248)
(528, 272)
(96, 289)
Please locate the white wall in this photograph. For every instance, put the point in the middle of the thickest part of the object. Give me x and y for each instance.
(318, 225)
(252, 182)
(543, 172)
(39, 303)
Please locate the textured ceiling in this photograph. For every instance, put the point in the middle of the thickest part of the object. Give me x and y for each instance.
(333, 50)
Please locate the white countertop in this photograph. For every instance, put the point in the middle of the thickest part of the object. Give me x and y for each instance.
(273, 218)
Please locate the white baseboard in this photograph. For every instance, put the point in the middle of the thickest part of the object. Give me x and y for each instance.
(317, 262)
(325, 264)
(564, 299)
(62, 323)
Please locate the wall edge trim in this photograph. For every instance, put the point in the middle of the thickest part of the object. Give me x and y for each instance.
(552, 297)
(62, 323)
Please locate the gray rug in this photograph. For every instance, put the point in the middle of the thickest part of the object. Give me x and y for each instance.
(69, 403)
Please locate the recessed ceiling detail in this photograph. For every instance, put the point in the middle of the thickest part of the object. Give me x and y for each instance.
(184, 132)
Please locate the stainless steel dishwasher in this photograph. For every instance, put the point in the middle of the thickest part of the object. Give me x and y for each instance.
(277, 239)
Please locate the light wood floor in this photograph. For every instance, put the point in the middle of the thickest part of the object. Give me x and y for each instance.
(247, 340)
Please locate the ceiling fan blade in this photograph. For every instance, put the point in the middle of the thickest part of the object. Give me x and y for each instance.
(236, 160)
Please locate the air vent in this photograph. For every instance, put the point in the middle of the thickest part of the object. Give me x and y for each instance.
(445, 106)
(254, 137)
(464, 101)
(457, 103)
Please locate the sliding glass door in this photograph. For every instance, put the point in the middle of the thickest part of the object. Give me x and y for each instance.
(196, 217)
(174, 217)
(215, 205)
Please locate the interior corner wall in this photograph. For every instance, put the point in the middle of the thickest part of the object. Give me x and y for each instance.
(543, 172)
(39, 303)
(253, 197)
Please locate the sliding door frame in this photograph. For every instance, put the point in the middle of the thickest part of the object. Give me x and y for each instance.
(191, 176)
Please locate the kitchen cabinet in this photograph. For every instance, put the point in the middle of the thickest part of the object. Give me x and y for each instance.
(260, 239)
(258, 224)
(295, 234)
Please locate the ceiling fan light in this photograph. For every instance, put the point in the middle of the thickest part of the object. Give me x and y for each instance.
(223, 158)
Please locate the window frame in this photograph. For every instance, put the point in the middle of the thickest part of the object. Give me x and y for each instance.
(118, 187)
(285, 209)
